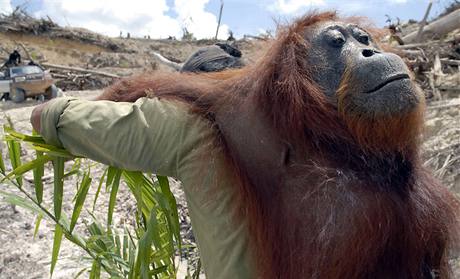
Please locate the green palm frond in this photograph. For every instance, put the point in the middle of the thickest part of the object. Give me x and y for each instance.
(146, 250)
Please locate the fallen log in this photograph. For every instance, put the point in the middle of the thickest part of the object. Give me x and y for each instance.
(450, 62)
(412, 52)
(437, 28)
(56, 75)
(415, 45)
(77, 69)
(423, 23)
(449, 88)
(261, 38)
(453, 104)
(167, 62)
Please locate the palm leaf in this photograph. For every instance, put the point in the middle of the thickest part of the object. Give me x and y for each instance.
(20, 170)
(56, 246)
(95, 272)
(113, 193)
(101, 181)
(37, 224)
(81, 196)
(2, 163)
(14, 150)
(148, 251)
(58, 167)
(38, 172)
(173, 217)
(21, 202)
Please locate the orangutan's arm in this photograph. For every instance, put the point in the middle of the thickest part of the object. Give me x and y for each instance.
(147, 135)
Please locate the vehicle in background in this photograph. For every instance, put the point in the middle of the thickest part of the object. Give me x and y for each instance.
(21, 82)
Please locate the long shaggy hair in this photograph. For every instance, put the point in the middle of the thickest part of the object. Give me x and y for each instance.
(360, 206)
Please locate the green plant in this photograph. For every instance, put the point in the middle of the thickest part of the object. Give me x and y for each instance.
(145, 250)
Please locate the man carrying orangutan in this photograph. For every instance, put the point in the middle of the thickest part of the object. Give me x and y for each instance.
(303, 165)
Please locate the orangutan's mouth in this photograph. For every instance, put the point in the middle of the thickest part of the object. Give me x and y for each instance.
(388, 81)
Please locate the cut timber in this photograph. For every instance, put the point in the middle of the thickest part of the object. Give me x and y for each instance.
(220, 17)
(423, 23)
(416, 45)
(167, 62)
(450, 62)
(76, 69)
(437, 28)
(412, 52)
(452, 103)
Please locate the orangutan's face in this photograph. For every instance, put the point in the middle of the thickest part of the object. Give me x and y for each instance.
(356, 74)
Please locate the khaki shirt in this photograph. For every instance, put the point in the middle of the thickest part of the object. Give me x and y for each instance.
(162, 137)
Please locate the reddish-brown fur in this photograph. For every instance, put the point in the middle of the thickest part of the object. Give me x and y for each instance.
(361, 206)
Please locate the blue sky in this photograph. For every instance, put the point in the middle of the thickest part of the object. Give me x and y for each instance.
(161, 18)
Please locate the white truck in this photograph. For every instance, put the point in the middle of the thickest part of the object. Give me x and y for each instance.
(21, 82)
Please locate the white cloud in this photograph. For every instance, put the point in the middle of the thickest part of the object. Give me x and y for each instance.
(5, 7)
(202, 24)
(139, 17)
(397, 1)
(293, 6)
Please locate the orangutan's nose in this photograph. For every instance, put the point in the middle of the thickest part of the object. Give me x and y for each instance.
(367, 52)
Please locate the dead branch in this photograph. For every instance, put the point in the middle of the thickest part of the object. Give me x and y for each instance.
(413, 52)
(450, 62)
(77, 69)
(167, 62)
(423, 22)
(443, 106)
(262, 38)
(416, 45)
(220, 17)
(56, 75)
(437, 28)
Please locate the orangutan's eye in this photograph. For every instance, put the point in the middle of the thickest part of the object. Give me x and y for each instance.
(338, 41)
(364, 39)
(361, 36)
(336, 38)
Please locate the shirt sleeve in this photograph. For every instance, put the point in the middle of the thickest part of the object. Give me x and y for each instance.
(149, 135)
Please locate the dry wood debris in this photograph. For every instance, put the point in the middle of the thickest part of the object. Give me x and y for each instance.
(435, 59)
(21, 22)
(432, 51)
